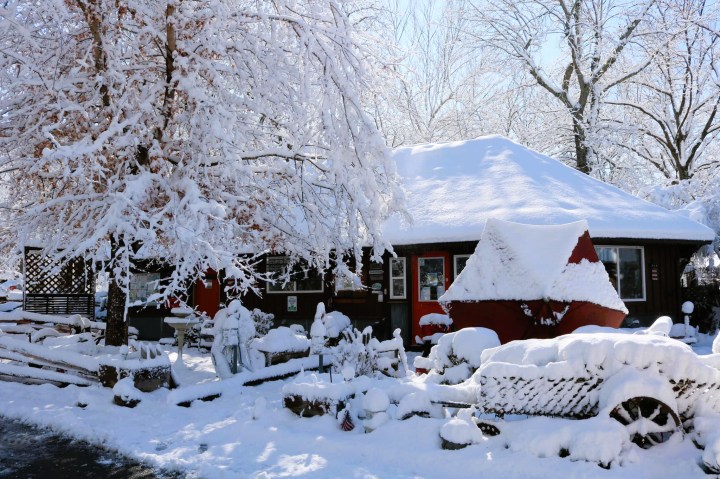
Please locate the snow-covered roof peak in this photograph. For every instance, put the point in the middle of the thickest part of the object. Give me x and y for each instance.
(453, 188)
(543, 249)
(529, 262)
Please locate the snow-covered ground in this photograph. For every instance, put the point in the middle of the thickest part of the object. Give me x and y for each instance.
(248, 433)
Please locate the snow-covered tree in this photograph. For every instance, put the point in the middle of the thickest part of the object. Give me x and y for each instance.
(441, 88)
(675, 100)
(575, 50)
(190, 131)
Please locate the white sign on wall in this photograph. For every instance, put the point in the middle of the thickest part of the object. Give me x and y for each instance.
(292, 304)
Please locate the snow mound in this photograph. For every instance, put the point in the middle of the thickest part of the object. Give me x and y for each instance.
(335, 323)
(435, 319)
(460, 431)
(457, 355)
(281, 339)
(599, 439)
(416, 404)
(376, 400)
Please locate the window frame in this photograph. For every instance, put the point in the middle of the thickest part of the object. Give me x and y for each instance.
(136, 284)
(617, 265)
(268, 284)
(403, 277)
(455, 258)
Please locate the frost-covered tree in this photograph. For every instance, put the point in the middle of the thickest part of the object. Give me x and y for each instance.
(191, 131)
(577, 51)
(675, 100)
(441, 89)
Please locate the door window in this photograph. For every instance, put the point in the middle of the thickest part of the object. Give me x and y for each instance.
(431, 278)
(397, 278)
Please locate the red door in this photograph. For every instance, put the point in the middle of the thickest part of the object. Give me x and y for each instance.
(431, 273)
(207, 294)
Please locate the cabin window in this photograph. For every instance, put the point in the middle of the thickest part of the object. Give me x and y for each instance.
(348, 282)
(459, 262)
(431, 278)
(625, 266)
(397, 278)
(298, 278)
(142, 286)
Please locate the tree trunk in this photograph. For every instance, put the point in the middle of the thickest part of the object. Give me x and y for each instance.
(116, 333)
(581, 149)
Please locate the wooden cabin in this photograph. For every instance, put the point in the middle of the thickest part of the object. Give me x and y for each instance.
(452, 189)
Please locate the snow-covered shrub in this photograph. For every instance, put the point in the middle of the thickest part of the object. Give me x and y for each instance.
(356, 350)
(263, 322)
(417, 404)
(298, 329)
(457, 355)
(336, 323)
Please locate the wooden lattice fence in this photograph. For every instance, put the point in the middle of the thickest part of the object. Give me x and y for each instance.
(58, 287)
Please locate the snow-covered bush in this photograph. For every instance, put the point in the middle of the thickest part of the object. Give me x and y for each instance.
(417, 404)
(457, 355)
(356, 350)
(263, 322)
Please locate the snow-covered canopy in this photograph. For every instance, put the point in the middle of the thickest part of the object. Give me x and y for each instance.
(453, 188)
(513, 261)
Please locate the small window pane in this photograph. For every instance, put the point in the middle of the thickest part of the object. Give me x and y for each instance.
(301, 278)
(397, 266)
(460, 262)
(398, 288)
(142, 286)
(307, 279)
(631, 286)
(608, 257)
(432, 278)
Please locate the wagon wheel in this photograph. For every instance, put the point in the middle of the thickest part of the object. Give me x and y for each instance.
(648, 420)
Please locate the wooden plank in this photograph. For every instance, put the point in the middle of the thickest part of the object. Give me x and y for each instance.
(37, 361)
(26, 372)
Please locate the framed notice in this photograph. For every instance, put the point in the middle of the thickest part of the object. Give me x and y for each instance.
(292, 304)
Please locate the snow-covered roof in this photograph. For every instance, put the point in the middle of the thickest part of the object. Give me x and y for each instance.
(528, 262)
(453, 188)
